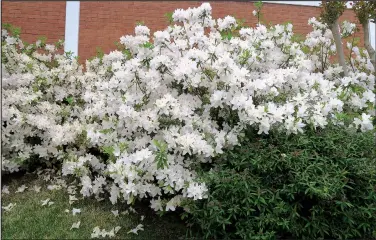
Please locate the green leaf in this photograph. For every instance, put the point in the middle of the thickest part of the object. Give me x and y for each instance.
(105, 131)
(140, 23)
(69, 100)
(169, 17)
(161, 155)
(147, 45)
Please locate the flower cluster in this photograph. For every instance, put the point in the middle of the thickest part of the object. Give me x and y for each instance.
(38, 119)
(138, 122)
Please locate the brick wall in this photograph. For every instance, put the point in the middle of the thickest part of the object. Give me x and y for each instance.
(39, 18)
(103, 23)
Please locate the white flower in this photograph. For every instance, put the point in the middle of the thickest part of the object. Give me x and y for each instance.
(96, 232)
(365, 123)
(50, 47)
(72, 199)
(45, 202)
(9, 207)
(36, 188)
(86, 186)
(226, 23)
(135, 230)
(142, 30)
(21, 189)
(76, 211)
(197, 191)
(10, 40)
(116, 212)
(71, 189)
(117, 228)
(114, 193)
(103, 233)
(53, 187)
(46, 177)
(76, 225)
(5, 189)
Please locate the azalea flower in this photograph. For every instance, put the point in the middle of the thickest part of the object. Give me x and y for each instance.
(76, 225)
(5, 189)
(76, 211)
(135, 230)
(21, 189)
(36, 188)
(45, 202)
(72, 199)
(9, 207)
(116, 213)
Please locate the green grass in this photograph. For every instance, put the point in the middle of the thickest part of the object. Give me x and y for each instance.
(30, 220)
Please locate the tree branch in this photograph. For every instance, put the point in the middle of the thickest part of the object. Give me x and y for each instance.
(339, 47)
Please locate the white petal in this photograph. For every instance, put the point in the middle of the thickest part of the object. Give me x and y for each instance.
(21, 189)
(117, 228)
(75, 211)
(44, 202)
(5, 190)
(116, 212)
(76, 225)
(36, 188)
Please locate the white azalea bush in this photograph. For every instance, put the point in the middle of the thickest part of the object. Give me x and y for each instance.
(141, 120)
(38, 120)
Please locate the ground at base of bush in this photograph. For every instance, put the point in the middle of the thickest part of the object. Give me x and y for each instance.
(28, 219)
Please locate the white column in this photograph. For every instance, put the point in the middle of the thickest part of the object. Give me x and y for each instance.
(72, 22)
(303, 3)
(372, 34)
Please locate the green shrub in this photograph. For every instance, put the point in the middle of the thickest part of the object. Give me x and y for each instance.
(317, 185)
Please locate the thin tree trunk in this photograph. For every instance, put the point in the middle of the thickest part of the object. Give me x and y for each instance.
(367, 44)
(339, 47)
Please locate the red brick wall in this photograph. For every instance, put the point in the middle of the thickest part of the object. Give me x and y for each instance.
(103, 23)
(39, 18)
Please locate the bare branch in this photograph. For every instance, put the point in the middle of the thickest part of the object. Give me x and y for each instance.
(339, 47)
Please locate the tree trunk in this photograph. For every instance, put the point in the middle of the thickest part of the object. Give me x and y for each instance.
(368, 46)
(339, 47)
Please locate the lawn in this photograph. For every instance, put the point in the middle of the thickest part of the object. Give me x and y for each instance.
(28, 219)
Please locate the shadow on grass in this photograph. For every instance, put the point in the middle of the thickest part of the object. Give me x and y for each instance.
(30, 220)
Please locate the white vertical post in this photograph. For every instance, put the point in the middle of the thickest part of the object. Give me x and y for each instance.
(72, 22)
(372, 34)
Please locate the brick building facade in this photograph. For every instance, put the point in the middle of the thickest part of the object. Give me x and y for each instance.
(36, 19)
(101, 23)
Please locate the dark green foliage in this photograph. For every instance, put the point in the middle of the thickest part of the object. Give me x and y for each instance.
(316, 185)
